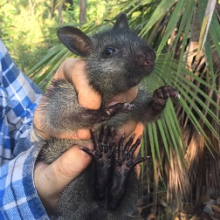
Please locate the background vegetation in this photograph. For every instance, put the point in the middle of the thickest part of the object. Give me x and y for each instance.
(28, 27)
(185, 143)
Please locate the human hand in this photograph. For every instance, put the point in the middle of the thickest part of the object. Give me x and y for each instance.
(50, 180)
(73, 70)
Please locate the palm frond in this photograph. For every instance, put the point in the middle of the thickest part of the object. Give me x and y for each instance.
(190, 126)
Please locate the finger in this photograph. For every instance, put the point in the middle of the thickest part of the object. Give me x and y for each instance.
(87, 96)
(65, 69)
(43, 132)
(84, 134)
(71, 164)
(74, 71)
(50, 180)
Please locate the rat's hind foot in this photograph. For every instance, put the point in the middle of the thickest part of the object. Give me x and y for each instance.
(104, 149)
(161, 95)
(124, 163)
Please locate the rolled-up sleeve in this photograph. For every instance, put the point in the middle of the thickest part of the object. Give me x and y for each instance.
(19, 97)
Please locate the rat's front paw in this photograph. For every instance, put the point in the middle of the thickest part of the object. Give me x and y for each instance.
(161, 95)
(119, 107)
(109, 112)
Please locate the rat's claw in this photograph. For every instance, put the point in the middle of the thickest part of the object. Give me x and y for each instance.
(88, 151)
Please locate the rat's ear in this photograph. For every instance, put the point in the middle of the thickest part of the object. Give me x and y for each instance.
(121, 22)
(75, 40)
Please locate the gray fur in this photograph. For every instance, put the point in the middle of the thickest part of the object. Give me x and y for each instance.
(133, 60)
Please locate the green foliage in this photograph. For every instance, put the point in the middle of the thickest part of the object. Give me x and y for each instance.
(158, 21)
(170, 26)
(24, 30)
(28, 27)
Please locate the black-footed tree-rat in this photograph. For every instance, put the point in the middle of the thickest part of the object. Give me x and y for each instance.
(116, 60)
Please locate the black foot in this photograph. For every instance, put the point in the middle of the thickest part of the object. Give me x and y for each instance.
(103, 155)
(161, 95)
(124, 163)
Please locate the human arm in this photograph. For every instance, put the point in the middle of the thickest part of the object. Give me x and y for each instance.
(19, 97)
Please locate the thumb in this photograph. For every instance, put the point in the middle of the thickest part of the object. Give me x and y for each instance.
(50, 180)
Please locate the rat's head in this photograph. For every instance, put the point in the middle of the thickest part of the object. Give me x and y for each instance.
(117, 59)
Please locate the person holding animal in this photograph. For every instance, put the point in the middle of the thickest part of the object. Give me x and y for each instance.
(22, 196)
(73, 70)
(65, 113)
(116, 62)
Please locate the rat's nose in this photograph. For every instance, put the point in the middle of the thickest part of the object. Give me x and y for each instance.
(150, 58)
(147, 60)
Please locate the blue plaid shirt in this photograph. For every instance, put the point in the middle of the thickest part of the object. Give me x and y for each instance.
(19, 97)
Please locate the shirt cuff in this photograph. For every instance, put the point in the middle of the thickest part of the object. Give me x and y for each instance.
(18, 196)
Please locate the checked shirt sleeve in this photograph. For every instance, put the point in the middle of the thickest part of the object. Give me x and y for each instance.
(19, 97)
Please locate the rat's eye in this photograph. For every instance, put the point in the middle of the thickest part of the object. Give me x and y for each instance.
(109, 51)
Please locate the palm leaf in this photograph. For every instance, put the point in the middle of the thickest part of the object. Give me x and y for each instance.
(177, 30)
